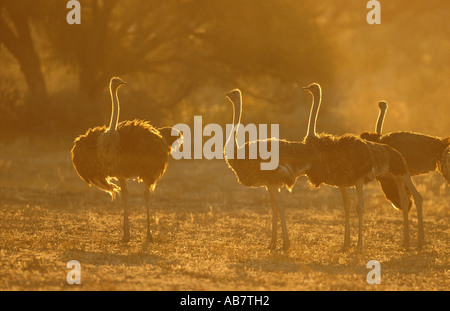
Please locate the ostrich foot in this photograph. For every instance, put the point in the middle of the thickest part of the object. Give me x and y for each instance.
(126, 238)
(286, 245)
(405, 243)
(273, 245)
(345, 247)
(149, 238)
(421, 244)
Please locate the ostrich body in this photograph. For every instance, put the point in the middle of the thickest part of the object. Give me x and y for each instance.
(125, 150)
(349, 161)
(249, 173)
(423, 153)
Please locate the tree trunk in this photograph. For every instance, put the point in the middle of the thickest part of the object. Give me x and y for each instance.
(20, 44)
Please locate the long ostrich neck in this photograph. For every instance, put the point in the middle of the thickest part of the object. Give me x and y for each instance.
(316, 101)
(379, 127)
(237, 113)
(115, 109)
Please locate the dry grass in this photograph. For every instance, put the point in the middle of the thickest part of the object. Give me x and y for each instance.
(210, 232)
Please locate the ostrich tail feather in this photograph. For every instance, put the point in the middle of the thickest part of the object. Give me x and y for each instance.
(107, 186)
(167, 133)
(391, 193)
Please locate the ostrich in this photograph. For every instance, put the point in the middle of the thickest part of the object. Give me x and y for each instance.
(250, 174)
(423, 154)
(125, 150)
(348, 161)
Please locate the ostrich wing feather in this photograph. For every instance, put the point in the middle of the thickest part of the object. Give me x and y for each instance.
(87, 164)
(391, 193)
(143, 153)
(421, 152)
(338, 160)
(249, 172)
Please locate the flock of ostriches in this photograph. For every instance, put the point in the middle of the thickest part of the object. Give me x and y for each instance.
(136, 149)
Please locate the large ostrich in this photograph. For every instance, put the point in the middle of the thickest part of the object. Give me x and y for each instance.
(348, 161)
(423, 153)
(125, 150)
(249, 173)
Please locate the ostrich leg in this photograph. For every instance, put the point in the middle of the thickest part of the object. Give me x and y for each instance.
(286, 242)
(273, 241)
(126, 222)
(147, 204)
(346, 200)
(418, 200)
(274, 198)
(405, 210)
(359, 192)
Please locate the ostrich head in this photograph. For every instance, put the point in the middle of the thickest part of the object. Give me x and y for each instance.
(313, 88)
(382, 105)
(234, 95)
(116, 82)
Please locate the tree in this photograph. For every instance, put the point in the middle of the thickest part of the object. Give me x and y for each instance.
(171, 48)
(187, 42)
(16, 35)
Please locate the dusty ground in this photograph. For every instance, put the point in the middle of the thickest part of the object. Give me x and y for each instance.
(210, 232)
